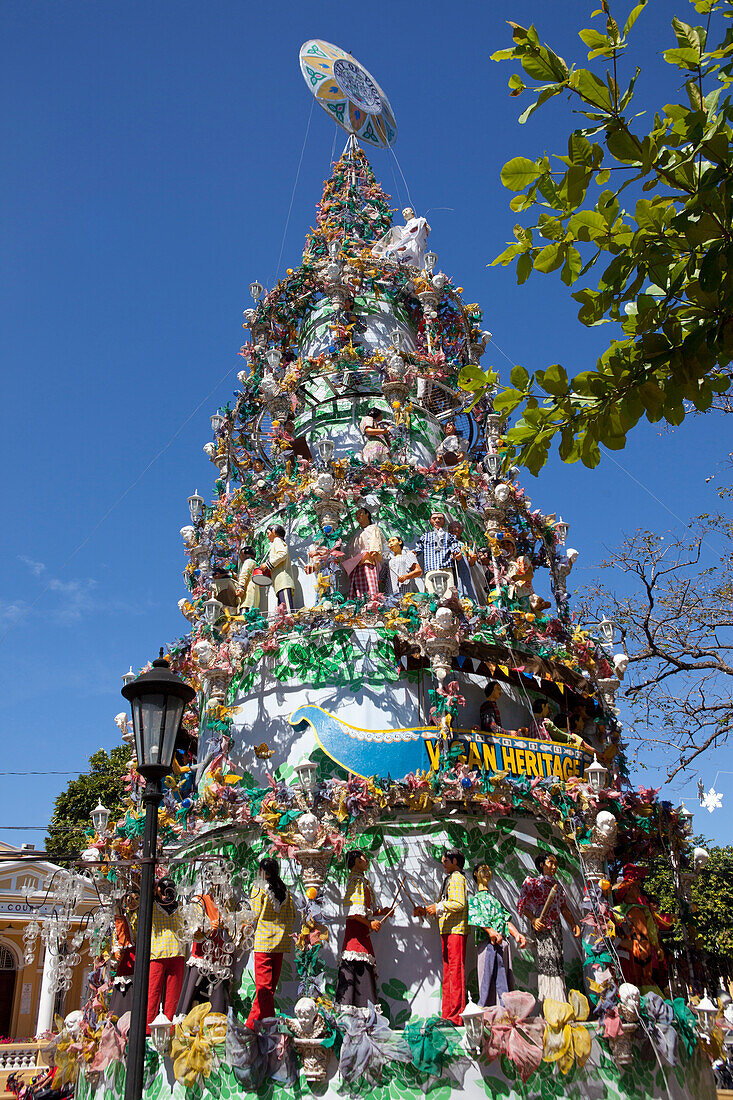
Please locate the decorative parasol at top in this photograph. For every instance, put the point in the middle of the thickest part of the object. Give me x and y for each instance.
(349, 94)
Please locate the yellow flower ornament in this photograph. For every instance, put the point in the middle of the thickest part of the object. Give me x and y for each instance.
(567, 1039)
(194, 1042)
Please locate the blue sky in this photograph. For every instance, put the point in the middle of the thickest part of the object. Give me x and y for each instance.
(153, 151)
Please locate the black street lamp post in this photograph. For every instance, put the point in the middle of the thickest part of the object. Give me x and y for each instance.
(158, 699)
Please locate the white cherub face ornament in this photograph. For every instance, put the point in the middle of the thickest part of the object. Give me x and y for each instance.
(308, 827)
(306, 1011)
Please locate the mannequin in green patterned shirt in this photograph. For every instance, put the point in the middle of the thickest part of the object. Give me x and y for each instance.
(491, 922)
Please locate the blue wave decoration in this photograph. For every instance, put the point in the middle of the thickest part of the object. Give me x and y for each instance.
(394, 753)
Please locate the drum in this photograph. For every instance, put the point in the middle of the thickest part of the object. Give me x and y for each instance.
(262, 576)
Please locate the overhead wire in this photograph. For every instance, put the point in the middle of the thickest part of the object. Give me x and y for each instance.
(407, 189)
(397, 194)
(79, 772)
(292, 193)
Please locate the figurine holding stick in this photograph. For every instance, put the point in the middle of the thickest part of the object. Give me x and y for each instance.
(452, 913)
(356, 984)
(542, 902)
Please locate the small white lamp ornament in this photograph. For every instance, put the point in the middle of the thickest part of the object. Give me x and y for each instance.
(160, 1033)
(216, 422)
(686, 817)
(492, 462)
(562, 528)
(100, 816)
(431, 260)
(255, 290)
(196, 506)
(213, 610)
(597, 776)
(274, 355)
(128, 677)
(439, 583)
(306, 773)
(326, 447)
(473, 1019)
(607, 628)
(706, 1013)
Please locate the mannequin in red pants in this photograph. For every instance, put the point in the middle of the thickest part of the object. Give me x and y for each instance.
(166, 953)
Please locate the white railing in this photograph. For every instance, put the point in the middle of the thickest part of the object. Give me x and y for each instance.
(26, 1058)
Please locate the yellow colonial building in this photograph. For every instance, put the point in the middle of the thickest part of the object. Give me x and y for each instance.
(27, 1002)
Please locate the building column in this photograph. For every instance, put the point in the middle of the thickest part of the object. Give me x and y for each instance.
(44, 1020)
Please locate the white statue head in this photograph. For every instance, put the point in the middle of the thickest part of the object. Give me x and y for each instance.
(572, 555)
(204, 653)
(308, 827)
(74, 1021)
(306, 1012)
(408, 213)
(439, 281)
(630, 999)
(324, 481)
(700, 856)
(188, 534)
(502, 493)
(444, 618)
(606, 825)
(620, 663)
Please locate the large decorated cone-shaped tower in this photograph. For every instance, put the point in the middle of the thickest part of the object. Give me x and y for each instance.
(394, 701)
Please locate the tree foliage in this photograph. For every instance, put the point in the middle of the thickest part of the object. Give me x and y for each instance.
(70, 823)
(676, 626)
(663, 266)
(710, 923)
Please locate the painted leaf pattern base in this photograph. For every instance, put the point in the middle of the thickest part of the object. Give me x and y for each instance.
(599, 1080)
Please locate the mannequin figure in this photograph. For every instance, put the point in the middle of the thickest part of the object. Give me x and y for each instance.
(377, 436)
(492, 922)
(490, 716)
(166, 952)
(403, 568)
(452, 913)
(640, 950)
(463, 564)
(452, 448)
(405, 243)
(356, 984)
(542, 902)
(365, 554)
(274, 914)
(437, 547)
(250, 593)
(278, 559)
(123, 957)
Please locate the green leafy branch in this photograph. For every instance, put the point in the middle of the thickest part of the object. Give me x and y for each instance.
(664, 266)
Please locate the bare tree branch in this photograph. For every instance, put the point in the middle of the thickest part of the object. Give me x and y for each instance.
(676, 622)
